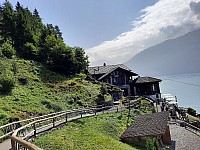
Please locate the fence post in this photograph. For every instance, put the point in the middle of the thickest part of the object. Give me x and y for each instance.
(53, 122)
(81, 113)
(66, 117)
(13, 144)
(95, 111)
(34, 127)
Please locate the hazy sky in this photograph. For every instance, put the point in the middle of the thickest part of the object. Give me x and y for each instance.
(115, 30)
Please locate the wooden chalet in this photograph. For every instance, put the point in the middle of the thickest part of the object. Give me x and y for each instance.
(145, 86)
(119, 75)
(148, 126)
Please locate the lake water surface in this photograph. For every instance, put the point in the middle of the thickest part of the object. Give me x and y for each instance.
(185, 86)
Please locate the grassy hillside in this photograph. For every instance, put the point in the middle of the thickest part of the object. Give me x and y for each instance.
(94, 133)
(38, 90)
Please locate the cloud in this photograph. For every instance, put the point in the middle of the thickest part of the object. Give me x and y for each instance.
(164, 20)
(195, 6)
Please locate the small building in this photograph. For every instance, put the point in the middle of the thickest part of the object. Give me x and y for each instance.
(148, 126)
(119, 75)
(145, 86)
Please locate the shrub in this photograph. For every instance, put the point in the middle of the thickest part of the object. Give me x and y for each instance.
(7, 82)
(23, 80)
(7, 50)
(152, 144)
(191, 111)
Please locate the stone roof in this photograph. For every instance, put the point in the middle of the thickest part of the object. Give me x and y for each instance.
(145, 125)
(106, 69)
(146, 80)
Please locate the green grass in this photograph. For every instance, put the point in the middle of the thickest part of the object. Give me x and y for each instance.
(94, 133)
(43, 91)
(192, 118)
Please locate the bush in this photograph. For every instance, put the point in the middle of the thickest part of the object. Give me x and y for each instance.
(7, 50)
(7, 83)
(191, 111)
(152, 144)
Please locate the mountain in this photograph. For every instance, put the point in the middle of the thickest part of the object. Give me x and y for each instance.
(175, 56)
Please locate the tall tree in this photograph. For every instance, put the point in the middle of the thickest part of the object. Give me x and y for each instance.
(81, 59)
(7, 24)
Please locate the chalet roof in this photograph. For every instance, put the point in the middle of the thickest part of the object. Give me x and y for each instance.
(146, 80)
(106, 69)
(151, 124)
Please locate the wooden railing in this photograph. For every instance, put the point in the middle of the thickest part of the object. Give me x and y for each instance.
(22, 137)
(8, 129)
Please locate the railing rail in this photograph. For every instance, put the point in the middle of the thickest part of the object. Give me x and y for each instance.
(185, 124)
(22, 136)
(10, 127)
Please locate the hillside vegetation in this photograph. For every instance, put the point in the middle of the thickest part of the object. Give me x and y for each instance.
(37, 90)
(39, 73)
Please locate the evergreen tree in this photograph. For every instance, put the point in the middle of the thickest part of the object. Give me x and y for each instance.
(7, 24)
(33, 40)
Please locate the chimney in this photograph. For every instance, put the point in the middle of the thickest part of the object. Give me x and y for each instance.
(104, 64)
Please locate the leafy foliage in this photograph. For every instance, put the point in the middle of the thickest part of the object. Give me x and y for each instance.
(191, 111)
(7, 50)
(35, 41)
(37, 90)
(152, 144)
(7, 80)
(6, 83)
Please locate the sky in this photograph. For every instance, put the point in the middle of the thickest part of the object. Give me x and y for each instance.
(113, 31)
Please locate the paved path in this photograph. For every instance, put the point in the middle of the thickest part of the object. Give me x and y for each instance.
(184, 139)
(6, 145)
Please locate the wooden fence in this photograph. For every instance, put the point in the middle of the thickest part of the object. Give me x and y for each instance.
(22, 137)
(8, 129)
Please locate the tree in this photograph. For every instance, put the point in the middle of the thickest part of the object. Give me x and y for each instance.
(7, 24)
(33, 40)
(81, 60)
(24, 32)
(31, 51)
(28, 30)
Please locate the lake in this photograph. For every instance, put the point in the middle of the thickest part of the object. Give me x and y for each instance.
(185, 86)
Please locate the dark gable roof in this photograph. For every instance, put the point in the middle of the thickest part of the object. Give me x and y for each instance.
(146, 80)
(145, 125)
(106, 69)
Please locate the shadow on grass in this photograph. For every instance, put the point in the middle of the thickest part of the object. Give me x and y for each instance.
(48, 76)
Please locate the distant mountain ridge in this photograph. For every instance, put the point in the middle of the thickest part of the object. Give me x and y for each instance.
(175, 56)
